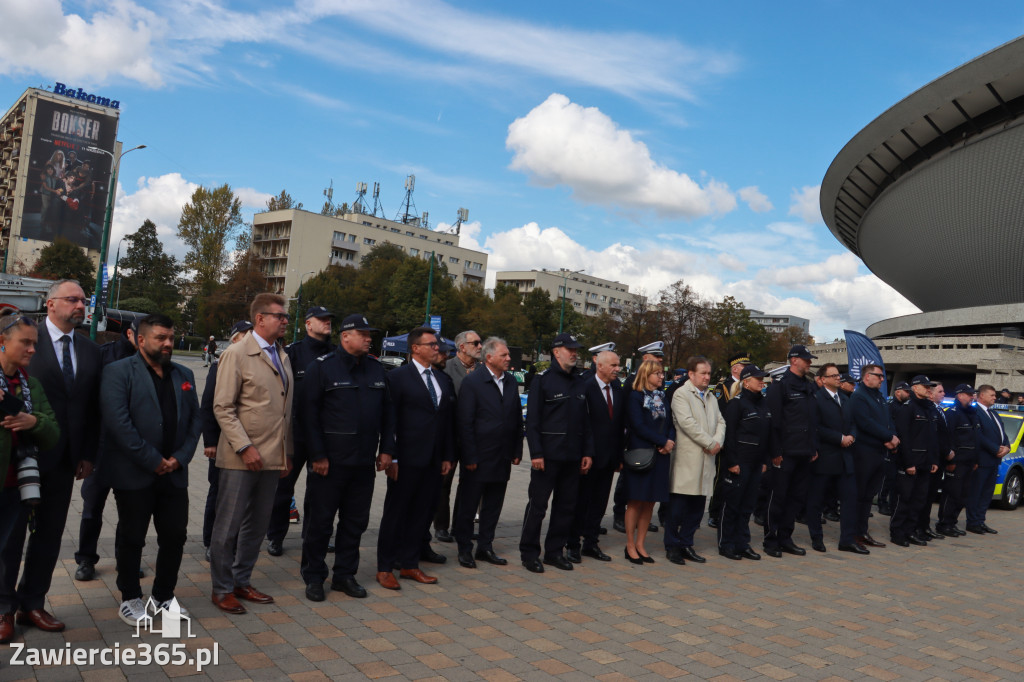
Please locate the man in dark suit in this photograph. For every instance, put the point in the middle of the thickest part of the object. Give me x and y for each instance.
(993, 445)
(490, 428)
(424, 404)
(833, 466)
(150, 431)
(606, 404)
(68, 367)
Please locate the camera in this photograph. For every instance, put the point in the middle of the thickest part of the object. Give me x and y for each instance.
(27, 468)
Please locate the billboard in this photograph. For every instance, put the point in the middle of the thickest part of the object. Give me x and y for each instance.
(67, 186)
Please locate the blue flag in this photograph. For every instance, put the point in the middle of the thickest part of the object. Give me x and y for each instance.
(860, 351)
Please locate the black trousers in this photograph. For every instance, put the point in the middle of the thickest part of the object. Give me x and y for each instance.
(867, 467)
(94, 499)
(845, 486)
(591, 503)
(684, 515)
(210, 515)
(739, 497)
(558, 482)
(955, 487)
(472, 493)
(443, 518)
(887, 487)
(279, 520)
(764, 492)
(924, 519)
(717, 494)
(167, 506)
(43, 549)
(911, 496)
(787, 496)
(408, 509)
(346, 493)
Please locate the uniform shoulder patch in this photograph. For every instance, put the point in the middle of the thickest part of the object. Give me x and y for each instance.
(325, 356)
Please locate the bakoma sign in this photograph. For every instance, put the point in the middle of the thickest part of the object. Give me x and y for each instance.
(61, 89)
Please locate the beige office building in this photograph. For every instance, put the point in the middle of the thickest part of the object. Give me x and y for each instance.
(588, 295)
(296, 244)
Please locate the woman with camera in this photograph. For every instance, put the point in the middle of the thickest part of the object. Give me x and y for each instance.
(27, 424)
(649, 442)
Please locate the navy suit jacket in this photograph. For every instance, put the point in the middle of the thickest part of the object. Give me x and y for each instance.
(133, 427)
(609, 432)
(833, 458)
(989, 438)
(490, 425)
(424, 436)
(77, 411)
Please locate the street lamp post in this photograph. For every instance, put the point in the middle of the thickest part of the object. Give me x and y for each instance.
(114, 279)
(104, 242)
(565, 289)
(298, 306)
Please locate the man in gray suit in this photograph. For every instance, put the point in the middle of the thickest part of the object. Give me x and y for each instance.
(151, 428)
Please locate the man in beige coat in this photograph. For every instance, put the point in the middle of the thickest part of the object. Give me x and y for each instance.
(253, 406)
(700, 432)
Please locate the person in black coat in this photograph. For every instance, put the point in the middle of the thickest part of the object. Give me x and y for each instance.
(963, 424)
(944, 456)
(745, 456)
(917, 458)
(606, 406)
(993, 445)
(68, 367)
(490, 428)
(424, 401)
(833, 466)
(887, 493)
(211, 434)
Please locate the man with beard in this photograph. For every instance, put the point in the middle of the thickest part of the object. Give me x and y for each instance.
(151, 428)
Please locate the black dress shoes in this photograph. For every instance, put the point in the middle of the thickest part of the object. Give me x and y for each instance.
(870, 541)
(573, 555)
(947, 531)
(901, 543)
(596, 553)
(652, 528)
(466, 560)
(712, 522)
(729, 554)
(349, 586)
(534, 565)
(490, 557)
(832, 516)
(773, 552)
(790, 548)
(432, 557)
(929, 534)
(693, 556)
(748, 553)
(558, 561)
(315, 592)
(86, 571)
(856, 548)
(631, 560)
(985, 528)
(914, 540)
(673, 554)
(602, 531)
(274, 548)
(978, 530)
(444, 536)
(619, 525)
(818, 546)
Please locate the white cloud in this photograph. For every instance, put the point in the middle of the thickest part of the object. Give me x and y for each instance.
(805, 205)
(117, 41)
(252, 199)
(755, 199)
(731, 262)
(840, 266)
(159, 199)
(562, 143)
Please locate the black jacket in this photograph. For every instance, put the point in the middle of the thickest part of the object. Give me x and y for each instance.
(490, 425)
(424, 436)
(116, 350)
(608, 433)
(346, 411)
(794, 416)
(301, 354)
(211, 429)
(944, 441)
(833, 458)
(990, 437)
(748, 431)
(870, 420)
(557, 423)
(919, 444)
(963, 430)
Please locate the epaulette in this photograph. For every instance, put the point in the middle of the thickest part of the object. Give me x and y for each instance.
(542, 373)
(325, 356)
(293, 343)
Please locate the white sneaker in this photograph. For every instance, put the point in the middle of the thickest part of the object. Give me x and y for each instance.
(172, 605)
(132, 611)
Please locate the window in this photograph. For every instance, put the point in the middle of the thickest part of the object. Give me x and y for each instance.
(339, 236)
(367, 222)
(409, 234)
(414, 252)
(395, 229)
(578, 291)
(367, 240)
(604, 298)
(351, 237)
(423, 236)
(561, 290)
(453, 259)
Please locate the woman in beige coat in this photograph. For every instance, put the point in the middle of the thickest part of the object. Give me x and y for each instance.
(700, 432)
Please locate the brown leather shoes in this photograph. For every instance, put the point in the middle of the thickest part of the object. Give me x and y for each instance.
(250, 593)
(387, 580)
(41, 619)
(6, 627)
(417, 575)
(227, 603)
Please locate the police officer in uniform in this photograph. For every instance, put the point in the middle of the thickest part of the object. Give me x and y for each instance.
(594, 352)
(347, 416)
(317, 342)
(962, 421)
(887, 495)
(725, 390)
(945, 454)
(561, 446)
(917, 458)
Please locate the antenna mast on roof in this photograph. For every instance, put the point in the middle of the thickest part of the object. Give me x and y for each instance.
(329, 193)
(407, 212)
(376, 200)
(359, 205)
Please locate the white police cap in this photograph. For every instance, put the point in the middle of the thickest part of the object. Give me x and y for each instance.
(655, 348)
(603, 347)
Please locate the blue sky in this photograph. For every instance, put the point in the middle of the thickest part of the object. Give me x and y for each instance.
(644, 142)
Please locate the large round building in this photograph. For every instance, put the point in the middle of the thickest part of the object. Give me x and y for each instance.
(930, 195)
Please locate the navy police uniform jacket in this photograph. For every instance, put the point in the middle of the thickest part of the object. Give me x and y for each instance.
(919, 443)
(794, 416)
(963, 431)
(302, 353)
(748, 431)
(557, 423)
(346, 409)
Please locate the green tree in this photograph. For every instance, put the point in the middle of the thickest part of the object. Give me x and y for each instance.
(683, 316)
(730, 330)
(140, 304)
(332, 210)
(230, 302)
(63, 259)
(146, 271)
(283, 201)
(208, 223)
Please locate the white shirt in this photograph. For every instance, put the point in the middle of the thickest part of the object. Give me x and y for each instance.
(835, 396)
(499, 379)
(422, 368)
(996, 419)
(58, 345)
(606, 395)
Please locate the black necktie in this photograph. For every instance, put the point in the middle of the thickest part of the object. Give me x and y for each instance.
(66, 364)
(430, 386)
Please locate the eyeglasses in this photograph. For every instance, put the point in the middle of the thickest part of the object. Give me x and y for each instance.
(874, 374)
(831, 376)
(284, 317)
(73, 300)
(475, 343)
(432, 344)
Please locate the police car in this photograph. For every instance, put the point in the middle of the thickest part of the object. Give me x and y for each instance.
(1010, 479)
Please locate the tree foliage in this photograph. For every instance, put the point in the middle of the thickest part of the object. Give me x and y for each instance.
(147, 272)
(283, 201)
(334, 210)
(208, 223)
(63, 259)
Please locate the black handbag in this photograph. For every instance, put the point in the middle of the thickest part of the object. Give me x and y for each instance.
(639, 459)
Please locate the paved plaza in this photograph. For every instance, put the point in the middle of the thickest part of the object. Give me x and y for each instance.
(945, 612)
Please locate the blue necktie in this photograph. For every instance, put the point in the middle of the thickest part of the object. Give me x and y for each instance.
(430, 386)
(66, 364)
(272, 352)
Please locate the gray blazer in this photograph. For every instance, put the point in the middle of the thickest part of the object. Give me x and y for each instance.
(457, 371)
(132, 426)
